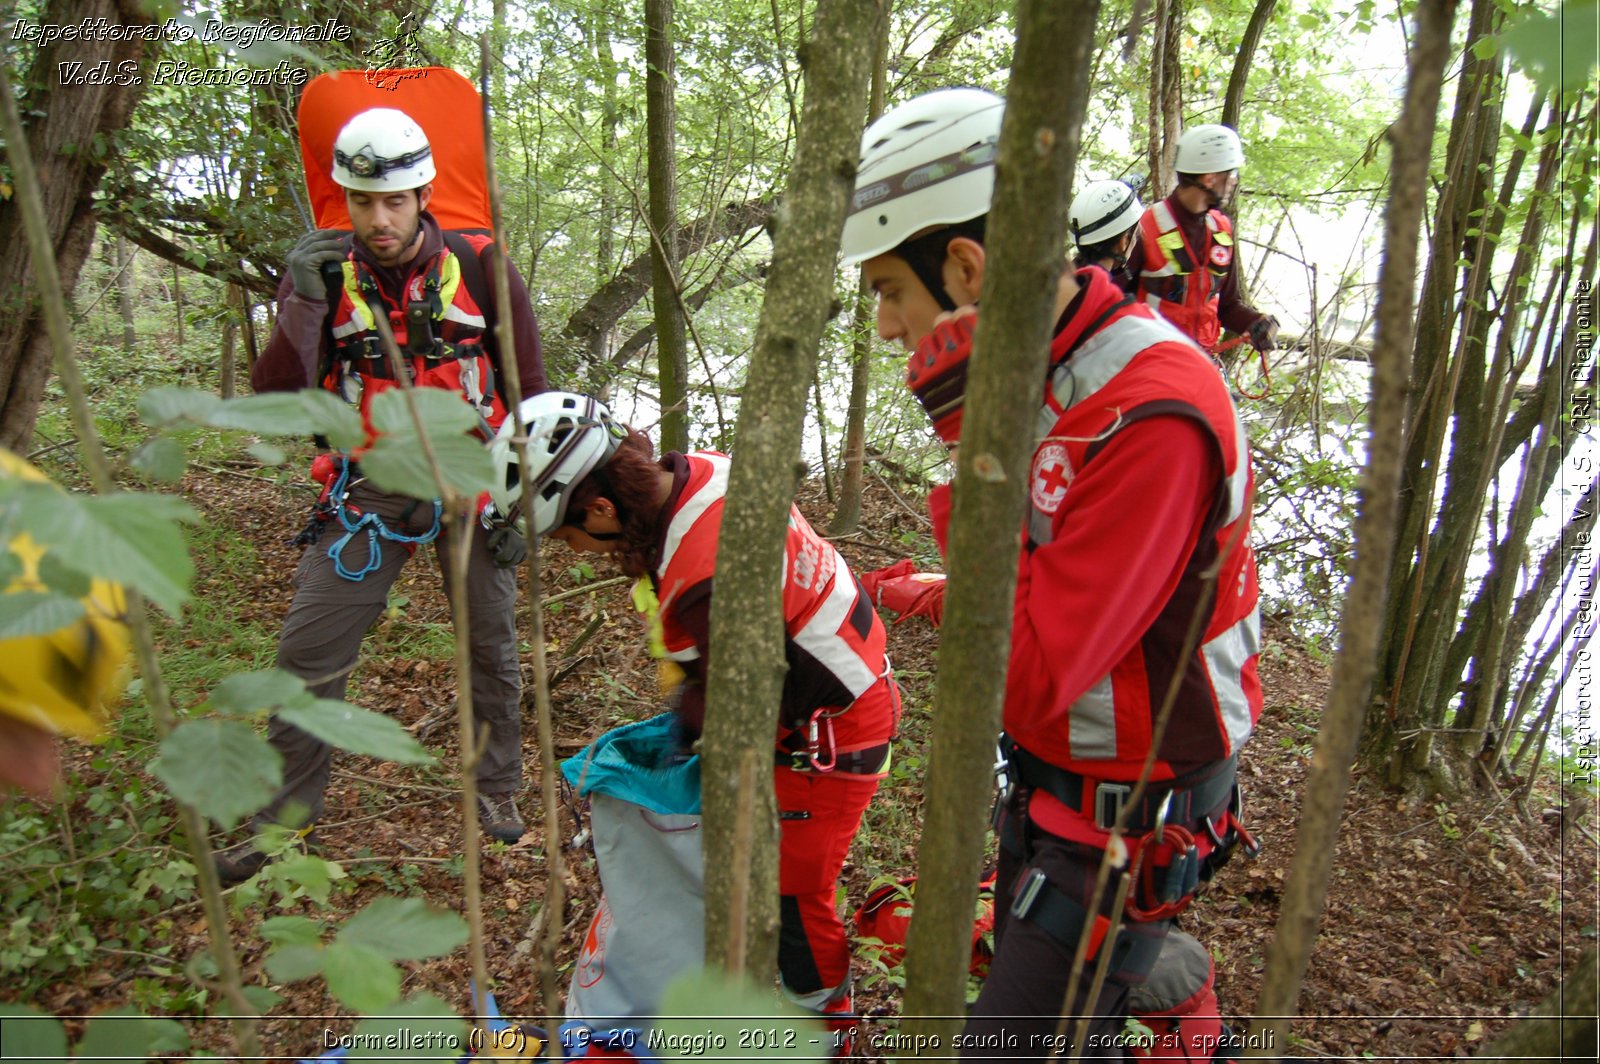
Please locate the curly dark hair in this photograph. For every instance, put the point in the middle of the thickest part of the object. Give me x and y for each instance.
(629, 481)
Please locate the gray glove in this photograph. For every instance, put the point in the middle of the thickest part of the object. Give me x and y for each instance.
(1264, 333)
(307, 257)
(508, 547)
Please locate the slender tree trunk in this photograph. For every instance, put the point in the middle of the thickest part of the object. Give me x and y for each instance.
(672, 348)
(746, 676)
(854, 461)
(1166, 97)
(230, 343)
(1027, 231)
(130, 335)
(67, 138)
(1233, 99)
(1356, 666)
(177, 301)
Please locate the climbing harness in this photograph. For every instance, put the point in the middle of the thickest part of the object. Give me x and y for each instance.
(334, 472)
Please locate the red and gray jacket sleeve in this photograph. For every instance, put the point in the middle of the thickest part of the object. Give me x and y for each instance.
(293, 354)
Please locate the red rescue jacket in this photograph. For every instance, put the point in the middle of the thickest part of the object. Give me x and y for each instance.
(1184, 288)
(834, 640)
(1115, 365)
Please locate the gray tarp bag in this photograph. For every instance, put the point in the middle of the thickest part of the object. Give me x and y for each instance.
(644, 810)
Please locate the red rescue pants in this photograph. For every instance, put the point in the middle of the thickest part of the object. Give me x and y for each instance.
(819, 813)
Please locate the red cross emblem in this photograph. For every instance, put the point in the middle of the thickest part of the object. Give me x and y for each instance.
(1052, 473)
(1221, 254)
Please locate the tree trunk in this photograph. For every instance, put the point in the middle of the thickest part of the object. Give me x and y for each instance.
(1305, 888)
(1166, 96)
(672, 349)
(1233, 100)
(130, 336)
(68, 140)
(1027, 231)
(177, 301)
(230, 342)
(1433, 399)
(1426, 688)
(746, 676)
(1562, 1027)
(847, 515)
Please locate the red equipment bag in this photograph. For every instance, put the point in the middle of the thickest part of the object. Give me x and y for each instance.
(900, 588)
(442, 102)
(1179, 1005)
(886, 916)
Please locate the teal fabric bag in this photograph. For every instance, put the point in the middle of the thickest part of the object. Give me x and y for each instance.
(639, 763)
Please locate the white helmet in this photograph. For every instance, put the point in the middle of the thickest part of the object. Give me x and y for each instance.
(1103, 211)
(1208, 149)
(569, 437)
(382, 150)
(928, 162)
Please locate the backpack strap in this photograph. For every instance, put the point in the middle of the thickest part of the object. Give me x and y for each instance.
(475, 277)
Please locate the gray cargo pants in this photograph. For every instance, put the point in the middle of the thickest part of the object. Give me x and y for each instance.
(331, 614)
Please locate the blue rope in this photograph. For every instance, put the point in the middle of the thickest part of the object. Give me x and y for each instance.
(374, 527)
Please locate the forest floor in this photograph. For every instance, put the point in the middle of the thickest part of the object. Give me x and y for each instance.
(1442, 920)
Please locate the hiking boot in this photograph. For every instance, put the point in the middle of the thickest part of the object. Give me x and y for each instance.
(239, 862)
(498, 816)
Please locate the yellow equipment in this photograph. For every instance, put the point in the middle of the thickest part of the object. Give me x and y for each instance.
(59, 682)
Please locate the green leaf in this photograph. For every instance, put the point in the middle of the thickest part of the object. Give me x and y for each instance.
(247, 692)
(359, 977)
(62, 578)
(355, 729)
(311, 875)
(300, 413)
(221, 767)
(161, 458)
(132, 539)
(737, 1002)
(32, 1035)
(404, 929)
(291, 931)
(1557, 51)
(266, 454)
(426, 1020)
(443, 413)
(164, 406)
(397, 464)
(37, 613)
(290, 964)
(122, 1035)
(260, 998)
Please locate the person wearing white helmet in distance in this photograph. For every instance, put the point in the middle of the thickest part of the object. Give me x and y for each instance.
(1185, 264)
(1104, 220)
